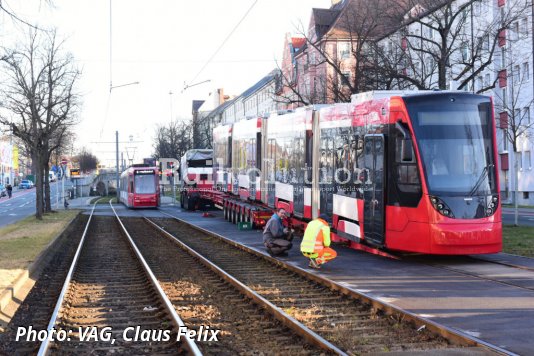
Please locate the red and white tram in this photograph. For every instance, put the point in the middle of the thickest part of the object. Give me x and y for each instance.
(397, 171)
(139, 187)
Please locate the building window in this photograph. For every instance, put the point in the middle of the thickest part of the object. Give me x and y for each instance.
(515, 29)
(485, 43)
(526, 71)
(528, 163)
(487, 79)
(430, 33)
(517, 115)
(520, 159)
(524, 27)
(504, 140)
(480, 84)
(465, 51)
(504, 98)
(503, 57)
(517, 74)
(525, 195)
(345, 78)
(344, 50)
(477, 8)
(526, 115)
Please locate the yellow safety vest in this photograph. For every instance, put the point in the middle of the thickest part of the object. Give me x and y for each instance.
(316, 236)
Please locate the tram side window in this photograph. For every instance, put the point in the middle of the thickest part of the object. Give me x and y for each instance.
(407, 173)
(297, 166)
(346, 173)
(251, 154)
(326, 161)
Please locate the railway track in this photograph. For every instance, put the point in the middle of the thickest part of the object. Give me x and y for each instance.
(203, 297)
(110, 302)
(353, 326)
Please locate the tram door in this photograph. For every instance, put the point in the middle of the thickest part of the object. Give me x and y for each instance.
(374, 186)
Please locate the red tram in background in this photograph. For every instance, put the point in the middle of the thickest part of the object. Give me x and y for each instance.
(139, 187)
(398, 171)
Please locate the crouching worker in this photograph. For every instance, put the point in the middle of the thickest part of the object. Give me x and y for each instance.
(316, 242)
(276, 238)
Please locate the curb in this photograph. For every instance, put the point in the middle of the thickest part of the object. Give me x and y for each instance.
(13, 296)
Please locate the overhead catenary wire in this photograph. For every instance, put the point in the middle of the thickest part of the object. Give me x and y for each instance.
(223, 42)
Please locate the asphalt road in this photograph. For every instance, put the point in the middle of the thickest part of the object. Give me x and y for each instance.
(22, 203)
(526, 216)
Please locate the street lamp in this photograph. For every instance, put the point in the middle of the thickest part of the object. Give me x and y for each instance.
(187, 86)
(111, 87)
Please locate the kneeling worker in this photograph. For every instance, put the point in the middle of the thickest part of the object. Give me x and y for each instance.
(316, 242)
(277, 238)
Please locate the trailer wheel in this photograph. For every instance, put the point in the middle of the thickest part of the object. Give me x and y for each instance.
(192, 203)
(185, 204)
(225, 213)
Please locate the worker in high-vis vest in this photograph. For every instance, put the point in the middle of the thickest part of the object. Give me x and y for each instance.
(316, 242)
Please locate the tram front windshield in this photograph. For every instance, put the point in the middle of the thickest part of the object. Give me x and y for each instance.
(454, 134)
(144, 184)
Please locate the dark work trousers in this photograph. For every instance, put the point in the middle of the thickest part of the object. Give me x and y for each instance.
(280, 245)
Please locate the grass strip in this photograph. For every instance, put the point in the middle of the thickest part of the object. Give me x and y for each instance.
(518, 240)
(21, 242)
(104, 200)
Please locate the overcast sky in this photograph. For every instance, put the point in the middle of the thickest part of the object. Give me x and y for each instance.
(161, 44)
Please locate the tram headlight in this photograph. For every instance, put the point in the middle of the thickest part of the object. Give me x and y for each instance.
(441, 207)
(492, 206)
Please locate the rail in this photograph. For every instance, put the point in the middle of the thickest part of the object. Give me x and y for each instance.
(444, 331)
(43, 349)
(190, 344)
(278, 313)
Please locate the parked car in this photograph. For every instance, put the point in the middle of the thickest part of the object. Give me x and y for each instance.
(26, 184)
(3, 191)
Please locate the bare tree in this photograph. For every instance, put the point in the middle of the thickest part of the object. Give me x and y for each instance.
(447, 40)
(173, 140)
(40, 95)
(86, 160)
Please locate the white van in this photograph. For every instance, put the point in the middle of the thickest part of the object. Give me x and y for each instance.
(52, 176)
